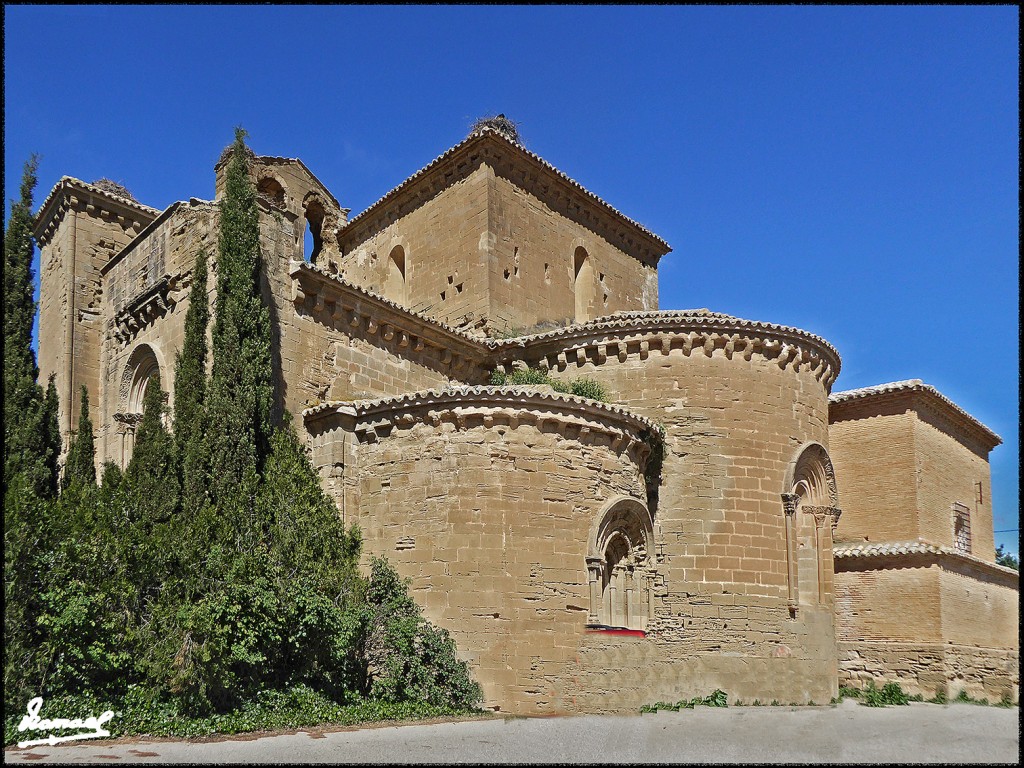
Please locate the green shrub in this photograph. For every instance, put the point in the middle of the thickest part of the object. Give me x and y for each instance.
(888, 694)
(593, 390)
(409, 659)
(718, 698)
(580, 387)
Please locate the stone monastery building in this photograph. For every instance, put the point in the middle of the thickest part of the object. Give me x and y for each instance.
(778, 541)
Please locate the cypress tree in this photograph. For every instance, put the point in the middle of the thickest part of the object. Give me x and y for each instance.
(51, 428)
(151, 478)
(26, 447)
(240, 394)
(190, 392)
(81, 465)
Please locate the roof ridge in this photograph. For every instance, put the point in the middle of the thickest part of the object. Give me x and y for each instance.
(489, 131)
(92, 188)
(910, 385)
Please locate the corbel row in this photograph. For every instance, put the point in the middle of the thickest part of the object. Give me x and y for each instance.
(161, 299)
(784, 353)
(380, 425)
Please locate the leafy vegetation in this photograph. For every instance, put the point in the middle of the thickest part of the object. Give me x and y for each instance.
(718, 698)
(889, 694)
(210, 586)
(28, 447)
(1007, 559)
(581, 387)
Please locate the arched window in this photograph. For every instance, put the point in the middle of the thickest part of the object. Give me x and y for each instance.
(270, 189)
(142, 365)
(395, 285)
(812, 509)
(583, 285)
(620, 569)
(313, 241)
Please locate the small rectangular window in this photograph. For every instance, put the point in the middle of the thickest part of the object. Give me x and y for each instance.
(961, 527)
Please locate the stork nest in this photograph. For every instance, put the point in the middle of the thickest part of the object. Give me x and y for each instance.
(231, 148)
(112, 187)
(507, 128)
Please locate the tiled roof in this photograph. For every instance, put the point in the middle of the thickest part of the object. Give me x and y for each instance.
(911, 385)
(486, 130)
(66, 180)
(895, 548)
(657, 317)
(448, 394)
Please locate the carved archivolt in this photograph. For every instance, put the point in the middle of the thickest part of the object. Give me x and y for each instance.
(142, 364)
(620, 568)
(811, 476)
(811, 503)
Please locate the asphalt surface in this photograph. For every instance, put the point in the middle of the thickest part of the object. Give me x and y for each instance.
(848, 733)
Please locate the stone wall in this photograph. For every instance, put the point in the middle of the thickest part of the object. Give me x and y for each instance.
(147, 290)
(533, 265)
(929, 622)
(489, 236)
(486, 498)
(930, 668)
(339, 342)
(979, 608)
(443, 243)
(79, 229)
(905, 457)
(898, 601)
(948, 473)
(874, 457)
(739, 401)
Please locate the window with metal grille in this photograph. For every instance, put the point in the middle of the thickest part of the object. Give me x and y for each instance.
(961, 527)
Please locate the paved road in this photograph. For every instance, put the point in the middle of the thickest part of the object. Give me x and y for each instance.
(849, 733)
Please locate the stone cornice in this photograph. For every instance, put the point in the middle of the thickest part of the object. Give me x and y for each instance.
(866, 551)
(151, 304)
(915, 393)
(574, 417)
(689, 332)
(74, 193)
(319, 293)
(533, 173)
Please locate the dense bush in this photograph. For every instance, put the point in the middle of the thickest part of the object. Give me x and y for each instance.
(211, 586)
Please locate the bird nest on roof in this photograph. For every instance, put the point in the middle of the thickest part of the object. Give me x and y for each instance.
(507, 128)
(230, 148)
(112, 187)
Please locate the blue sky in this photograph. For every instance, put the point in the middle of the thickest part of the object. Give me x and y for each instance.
(850, 171)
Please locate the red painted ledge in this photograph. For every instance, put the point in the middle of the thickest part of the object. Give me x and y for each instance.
(615, 630)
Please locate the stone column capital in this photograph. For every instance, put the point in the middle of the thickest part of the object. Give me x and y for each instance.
(789, 502)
